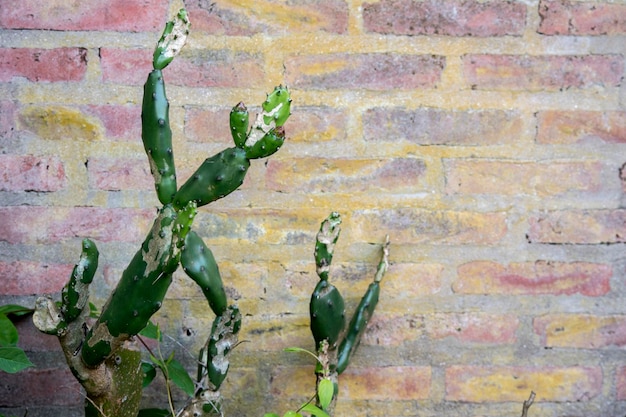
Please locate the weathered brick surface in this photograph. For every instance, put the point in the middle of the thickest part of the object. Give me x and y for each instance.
(579, 227)
(581, 330)
(485, 137)
(31, 173)
(540, 277)
(569, 127)
(447, 18)
(523, 72)
(483, 384)
(41, 65)
(366, 71)
(565, 17)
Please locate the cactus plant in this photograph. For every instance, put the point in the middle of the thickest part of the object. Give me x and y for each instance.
(102, 357)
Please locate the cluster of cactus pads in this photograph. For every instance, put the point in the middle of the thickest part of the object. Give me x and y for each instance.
(102, 356)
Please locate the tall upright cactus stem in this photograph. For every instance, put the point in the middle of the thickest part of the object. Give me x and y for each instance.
(172, 40)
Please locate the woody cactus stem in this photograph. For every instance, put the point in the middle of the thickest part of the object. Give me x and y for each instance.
(101, 357)
(335, 342)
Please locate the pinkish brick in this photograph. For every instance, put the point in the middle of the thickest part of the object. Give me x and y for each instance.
(114, 174)
(524, 72)
(568, 127)
(32, 278)
(317, 125)
(375, 71)
(31, 173)
(208, 125)
(7, 118)
(565, 17)
(118, 15)
(581, 330)
(392, 329)
(32, 339)
(602, 226)
(41, 65)
(40, 387)
(430, 126)
(620, 383)
(30, 224)
(473, 327)
(543, 179)
(418, 226)
(397, 175)
(402, 383)
(235, 19)
(540, 277)
(119, 121)
(445, 18)
(486, 384)
(195, 68)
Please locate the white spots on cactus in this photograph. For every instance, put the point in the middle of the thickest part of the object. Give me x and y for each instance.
(159, 243)
(260, 128)
(47, 317)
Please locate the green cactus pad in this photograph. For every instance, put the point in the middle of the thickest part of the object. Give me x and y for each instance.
(222, 340)
(277, 106)
(157, 136)
(199, 264)
(325, 244)
(139, 293)
(357, 326)
(75, 294)
(327, 313)
(172, 40)
(239, 124)
(267, 145)
(217, 177)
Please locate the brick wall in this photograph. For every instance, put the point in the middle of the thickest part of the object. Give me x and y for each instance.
(488, 138)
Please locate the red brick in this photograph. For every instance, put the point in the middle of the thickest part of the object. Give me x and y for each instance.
(40, 387)
(193, 68)
(210, 125)
(473, 327)
(32, 278)
(392, 329)
(119, 121)
(524, 72)
(521, 178)
(622, 177)
(41, 65)
(32, 339)
(569, 127)
(418, 226)
(579, 227)
(119, 15)
(445, 18)
(478, 384)
(564, 17)
(7, 118)
(31, 173)
(581, 331)
(402, 383)
(317, 124)
(59, 123)
(271, 17)
(29, 224)
(399, 175)
(540, 277)
(114, 174)
(620, 383)
(430, 126)
(367, 71)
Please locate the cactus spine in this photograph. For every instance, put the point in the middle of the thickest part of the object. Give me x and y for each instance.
(95, 357)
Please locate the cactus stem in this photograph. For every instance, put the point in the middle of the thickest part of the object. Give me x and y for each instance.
(384, 262)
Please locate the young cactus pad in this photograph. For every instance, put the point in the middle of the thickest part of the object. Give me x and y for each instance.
(276, 111)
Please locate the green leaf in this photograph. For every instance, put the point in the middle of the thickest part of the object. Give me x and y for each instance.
(270, 415)
(13, 359)
(8, 332)
(15, 309)
(179, 376)
(316, 411)
(154, 412)
(93, 311)
(149, 373)
(325, 391)
(297, 349)
(152, 331)
(292, 414)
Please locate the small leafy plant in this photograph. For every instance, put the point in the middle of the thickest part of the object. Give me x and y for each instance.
(12, 358)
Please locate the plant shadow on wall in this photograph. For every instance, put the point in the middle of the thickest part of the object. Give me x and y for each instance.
(102, 348)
